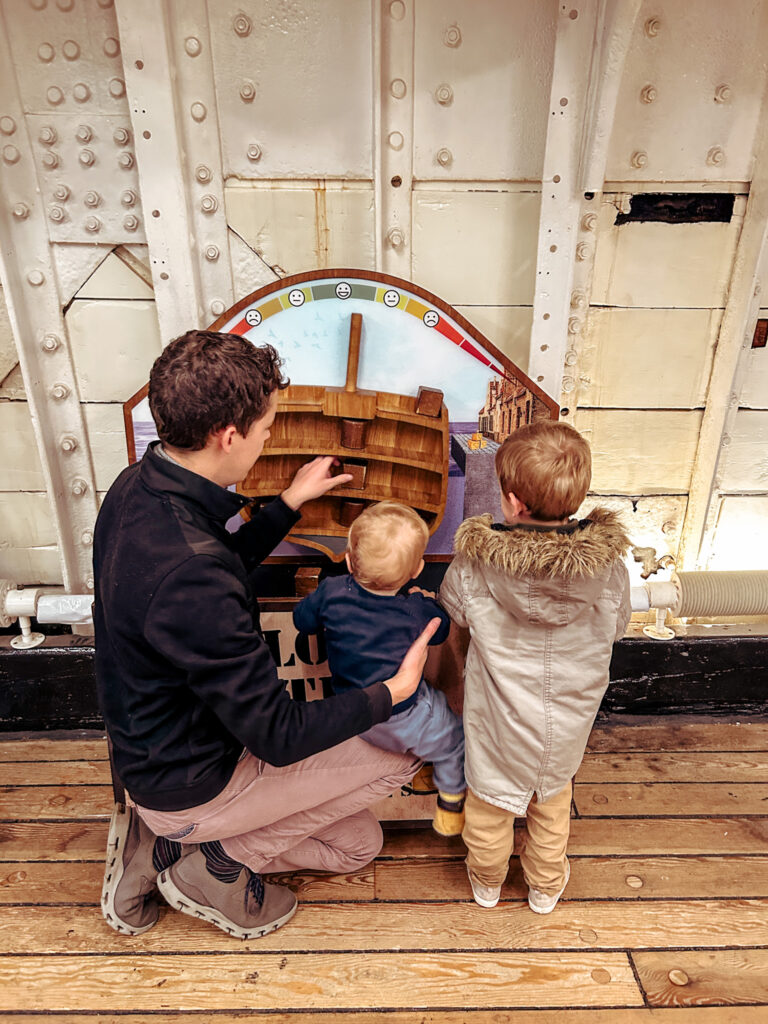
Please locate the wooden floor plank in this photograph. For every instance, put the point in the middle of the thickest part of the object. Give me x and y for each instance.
(688, 766)
(749, 734)
(592, 878)
(698, 977)
(53, 750)
(357, 927)
(42, 803)
(56, 840)
(261, 981)
(56, 773)
(596, 837)
(670, 799)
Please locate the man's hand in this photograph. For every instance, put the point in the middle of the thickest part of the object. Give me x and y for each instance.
(312, 481)
(408, 676)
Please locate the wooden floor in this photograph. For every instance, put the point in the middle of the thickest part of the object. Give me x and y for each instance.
(666, 915)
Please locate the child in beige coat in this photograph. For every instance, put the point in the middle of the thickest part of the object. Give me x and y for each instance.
(544, 597)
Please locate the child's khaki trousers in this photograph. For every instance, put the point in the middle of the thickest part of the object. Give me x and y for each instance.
(490, 839)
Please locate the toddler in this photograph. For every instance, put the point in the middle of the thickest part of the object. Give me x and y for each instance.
(369, 625)
(544, 597)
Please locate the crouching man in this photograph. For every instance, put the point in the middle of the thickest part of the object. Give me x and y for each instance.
(227, 777)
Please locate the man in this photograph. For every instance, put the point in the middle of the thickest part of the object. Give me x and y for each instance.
(227, 776)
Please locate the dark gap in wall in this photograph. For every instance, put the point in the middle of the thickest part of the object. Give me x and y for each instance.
(679, 208)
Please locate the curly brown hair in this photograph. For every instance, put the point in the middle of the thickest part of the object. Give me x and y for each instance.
(205, 381)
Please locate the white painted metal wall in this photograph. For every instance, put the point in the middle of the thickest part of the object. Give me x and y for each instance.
(160, 158)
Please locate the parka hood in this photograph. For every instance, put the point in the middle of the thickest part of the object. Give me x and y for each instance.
(544, 575)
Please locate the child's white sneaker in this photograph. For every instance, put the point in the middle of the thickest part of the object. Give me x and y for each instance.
(543, 903)
(485, 895)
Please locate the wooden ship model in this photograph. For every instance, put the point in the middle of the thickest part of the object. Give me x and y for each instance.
(395, 446)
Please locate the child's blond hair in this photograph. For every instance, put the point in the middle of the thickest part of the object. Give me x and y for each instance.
(385, 545)
(547, 466)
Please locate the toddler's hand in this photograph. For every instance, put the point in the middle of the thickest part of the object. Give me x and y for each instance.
(420, 590)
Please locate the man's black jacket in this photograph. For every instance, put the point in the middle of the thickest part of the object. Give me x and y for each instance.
(185, 679)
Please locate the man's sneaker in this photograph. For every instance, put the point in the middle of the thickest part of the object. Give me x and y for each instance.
(449, 814)
(540, 902)
(128, 896)
(211, 886)
(485, 895)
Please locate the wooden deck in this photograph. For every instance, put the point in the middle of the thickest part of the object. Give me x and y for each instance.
(666, 915)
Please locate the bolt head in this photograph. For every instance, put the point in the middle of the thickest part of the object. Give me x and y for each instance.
(36, 278)
(57, 214)
(648, 94)
(126, 161)
(652, 27)
(574, 325)
(254, 152)
(92, 199)
(89, 583)
(212, 253)
(47, 135)
(131, 222)
(92, 225)
(86, 538)
(62, 193)
(203, 173)
(722, 94)
(49, 343)
(68, 443)
(444, 94)
(444, 157)
(121, 136)
(50, 160)
(248, 92)
(128, 197)
(396, 238)
(198, 112)
(59, 391)
(716, 156)
(20, 211)
(87, 157)
(582, 251)
(639, 159)
(588, 222)
(217, 307)
(209, 204)
(192, 46)
(84, 133)
(242, 25)
(79, 487)
(452, 36)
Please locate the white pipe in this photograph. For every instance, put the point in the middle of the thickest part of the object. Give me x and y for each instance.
(692, 594)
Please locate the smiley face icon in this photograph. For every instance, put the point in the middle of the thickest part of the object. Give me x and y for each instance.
(253, 317)
(431, 318)
(296, 297)
(391, 298)
(343, 290)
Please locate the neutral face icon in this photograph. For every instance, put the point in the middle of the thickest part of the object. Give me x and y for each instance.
(253, 317)
(391, 297)
(296, 297)
(343, 290)
(431, 318)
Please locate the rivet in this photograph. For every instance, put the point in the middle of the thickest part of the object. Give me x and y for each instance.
(46, 52)
(574, 325)
(92, 199)
(583, 252)
(192, 46)
(540, 378)
(634, 881)
(639, 159)
(92, 225)
(678, 977)
(11, 155)
(452, 36)
(247, 92)
(217, 307)
(68, 443)
(588, 222)
(242, 25)
(8, 126)
(20, 211)
(62, 193)
(59, 391)
(396, 238)
(601, 976)
(198, 111)
(70, 49)
(50, 343)
(725, 440)
(84, 133)
(57, 214)
(105, 3)
(36, 278)
(65, 5)
(652, 27)
(396, 140)
(568, 384)
(131, 222)
(89, 582)
(38, 5)
(648, 93)
(116, 88)
(209, 204)
(125, 160)
(86, 538)
(722, 94)
(81, 92)
(758, 289)
(578, 299)
(571, 358)
(444, 94)
(121, 136)
(254, 152)
(397, 10)
(111, 47)
(128, 198)
(398, 88)
(87, 157)
(54, 96)
(716, 156)
(79, 487)
(212, 253)
(203, 173)
(46, 136)
(444, 157)
(50, 160)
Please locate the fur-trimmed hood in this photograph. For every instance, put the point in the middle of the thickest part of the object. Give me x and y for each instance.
(544, 575)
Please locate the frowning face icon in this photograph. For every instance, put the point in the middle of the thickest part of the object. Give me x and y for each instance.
(431, 318)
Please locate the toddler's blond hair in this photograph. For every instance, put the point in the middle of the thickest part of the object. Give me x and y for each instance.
(385, 545)
(546, 465)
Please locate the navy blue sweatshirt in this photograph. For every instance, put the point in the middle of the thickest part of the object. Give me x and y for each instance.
(185, 679)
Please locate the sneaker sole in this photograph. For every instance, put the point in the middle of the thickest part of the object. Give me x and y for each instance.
(488, 904)
(113, 872)
(180, 901)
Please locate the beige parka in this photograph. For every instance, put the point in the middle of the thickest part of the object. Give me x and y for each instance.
(543, 608)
